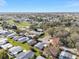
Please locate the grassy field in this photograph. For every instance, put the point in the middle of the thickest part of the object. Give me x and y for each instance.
(10, 22)
(21, 24)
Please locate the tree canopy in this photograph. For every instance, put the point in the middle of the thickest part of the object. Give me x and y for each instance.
(3, 54)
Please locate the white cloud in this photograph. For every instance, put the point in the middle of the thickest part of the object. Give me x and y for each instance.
(2, 3)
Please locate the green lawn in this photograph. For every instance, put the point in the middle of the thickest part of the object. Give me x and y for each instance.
(25, 46)
(37, 53)
(23, 24)
(10, 21)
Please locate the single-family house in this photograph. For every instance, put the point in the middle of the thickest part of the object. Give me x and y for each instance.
(15, 38)
(37, 33)
(7, 33)
(25, 55)
(11, 35)
(31, 42)
(2, 32)
(40, 30)
(31, 35)
(14, 50)
(66, 55)
(40, 45)
(40, 57)
(23, 39)
(20, 55)
(3, 41)
(6, 46)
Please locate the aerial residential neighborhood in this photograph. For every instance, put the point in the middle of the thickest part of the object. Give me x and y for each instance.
(39, 39)
(39, 29)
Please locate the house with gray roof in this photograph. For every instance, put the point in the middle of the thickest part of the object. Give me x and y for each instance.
(66, 55)
(40, 57)
(23, 39)
(6, 46)
(15, 50)
(11, 35)
(15, 38)
(25, 55)
(7, 33)
(40, 45)
(31, 42)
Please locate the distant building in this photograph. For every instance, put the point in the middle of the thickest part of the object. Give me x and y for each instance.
(40, 30)
(37, 33)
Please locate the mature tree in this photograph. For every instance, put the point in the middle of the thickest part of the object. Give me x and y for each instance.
(51, 31)
(74, 38)
(4, 24)
(34, 26)
(3, 54)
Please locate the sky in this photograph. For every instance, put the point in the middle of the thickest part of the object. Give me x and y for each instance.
(39, 5)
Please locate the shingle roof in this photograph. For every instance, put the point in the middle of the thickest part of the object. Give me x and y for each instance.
(6, 46)
(3, 31)
(23, 39)
(11, 35)
(25, 55)
(40, 57)
(15, 38)
(40, 45)
(15, 50)
(66, 55)
(31, 42)
(3, 41)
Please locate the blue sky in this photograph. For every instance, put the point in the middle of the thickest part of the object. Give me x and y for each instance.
(39, 5)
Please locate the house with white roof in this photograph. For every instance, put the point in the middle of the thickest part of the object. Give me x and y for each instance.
(6, 46)
(3, 31)
(3, 41)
